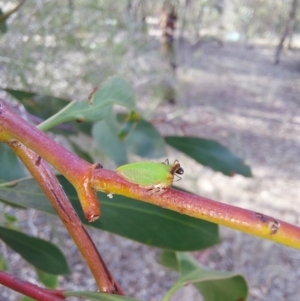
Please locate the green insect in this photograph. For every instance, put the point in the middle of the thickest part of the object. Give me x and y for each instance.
(158, 176)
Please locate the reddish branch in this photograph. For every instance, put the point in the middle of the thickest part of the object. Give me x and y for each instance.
(40, 171)
(104, 180)
(75, 169)
(29, 289)
(247, 221)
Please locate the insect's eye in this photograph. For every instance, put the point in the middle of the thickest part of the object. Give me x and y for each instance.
(180, 171)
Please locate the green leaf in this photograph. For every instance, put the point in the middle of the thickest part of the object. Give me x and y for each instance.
(224, 289)
(105, 134)
(40, 253)
(155, 226)
(26, 298)
(44, 106)
(3, 264)
(145, 141)
(49, 280)
(40, 105)
(136, 220)
(142, 140)
(3, 26)
(128, 121)
(10, 167)
(80, 151)
(9, 219)
(114, 91)
(169, 260)
(210, 153)
(97, 296)
(213, 285)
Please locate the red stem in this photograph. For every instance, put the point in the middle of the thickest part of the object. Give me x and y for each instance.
(29, 289)
(244, 220)
(59, 200)
(75, 169)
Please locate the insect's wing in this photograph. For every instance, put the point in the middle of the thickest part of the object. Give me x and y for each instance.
(146, 174)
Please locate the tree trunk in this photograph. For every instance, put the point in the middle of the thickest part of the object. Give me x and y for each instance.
(288, 30)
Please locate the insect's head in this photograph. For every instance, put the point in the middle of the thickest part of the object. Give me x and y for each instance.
(178, 169)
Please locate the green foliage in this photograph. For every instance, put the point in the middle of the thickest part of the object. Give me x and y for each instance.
(118, 135)
(49, 280)
(11, 168)
(140, 138)
(105, 135)
(210, 153)
(3, 26)
(27, 299)
(213, 285)
(40, 253)
(3, 264)
(97, 296)
(40, 105)
(142, 222)
(114, 91)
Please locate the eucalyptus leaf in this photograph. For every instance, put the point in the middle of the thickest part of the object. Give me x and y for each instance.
(10, 167)
(37, 104)
(38, 252)
(105, 133)
(145, 141)
(3, 264)
(40, 107)
(3, 26)
(114, 91)
(213, 285)
(136, 220)
(210, 153)
(83, 154)
(49, 280)
(97, 296)
(26, 298)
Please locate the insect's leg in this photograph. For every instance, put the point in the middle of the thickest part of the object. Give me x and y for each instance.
(178, 178)
(166, 162)
(157, 189)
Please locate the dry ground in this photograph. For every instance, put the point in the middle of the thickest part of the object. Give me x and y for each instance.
(253, 107)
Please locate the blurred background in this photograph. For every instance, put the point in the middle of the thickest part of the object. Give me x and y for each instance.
(224, 70)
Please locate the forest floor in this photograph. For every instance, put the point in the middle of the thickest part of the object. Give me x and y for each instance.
(238, 97)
